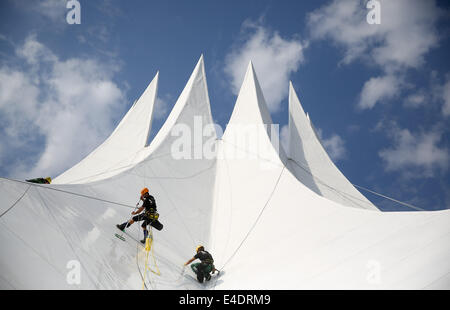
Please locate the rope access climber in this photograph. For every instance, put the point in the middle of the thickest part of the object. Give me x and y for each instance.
(149, 217)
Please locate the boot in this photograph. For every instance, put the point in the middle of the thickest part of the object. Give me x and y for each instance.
(208, 277)
(200, 277)
(122, 226)
(145, 236)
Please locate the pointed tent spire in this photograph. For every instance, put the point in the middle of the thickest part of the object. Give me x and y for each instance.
(152, 93)
(139, 117)
(250, 107)
(311, 163)
(128, 138)
(295, 112)
(192, 102)
(249, 111)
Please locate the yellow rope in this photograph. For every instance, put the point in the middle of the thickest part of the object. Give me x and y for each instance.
(148, 250)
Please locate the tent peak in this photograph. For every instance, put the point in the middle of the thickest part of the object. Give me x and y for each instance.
(250, 106)
(201, 60)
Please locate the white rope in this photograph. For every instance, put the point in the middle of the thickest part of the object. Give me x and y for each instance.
(257, 219)
(358, 186)
(341, 193)
(68, 192)
(389, 198)
(17, 201)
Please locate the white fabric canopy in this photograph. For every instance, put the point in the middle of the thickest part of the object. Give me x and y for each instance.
(270, 219)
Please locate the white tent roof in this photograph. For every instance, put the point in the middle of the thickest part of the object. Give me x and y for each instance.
(267, 224)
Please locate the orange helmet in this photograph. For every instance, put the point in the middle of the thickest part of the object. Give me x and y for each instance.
(144, 190)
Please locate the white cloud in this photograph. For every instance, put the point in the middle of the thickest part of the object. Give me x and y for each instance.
(344, 22)
(67, 107)
(420, 151)
(54, 9)
(334, 145)
(378, 89)
(438, 93)
(33, 52)
(353, 128)
(18, 101)
(407, 32)
(273, 57)
(415, 100)
(161, 107)
(446, 98)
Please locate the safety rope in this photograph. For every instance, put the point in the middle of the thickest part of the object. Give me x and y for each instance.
(145, 182)
(137, 260)
(257, 219)
(390, 198)
(231, 213)
(339, 192)
(358, 186)
(68, 192)
(17, 201)
(230, 205)
(148, 250)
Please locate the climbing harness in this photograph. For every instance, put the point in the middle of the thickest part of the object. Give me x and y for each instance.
(152, 215)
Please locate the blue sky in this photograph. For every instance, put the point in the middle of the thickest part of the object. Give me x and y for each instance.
(379, 94)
